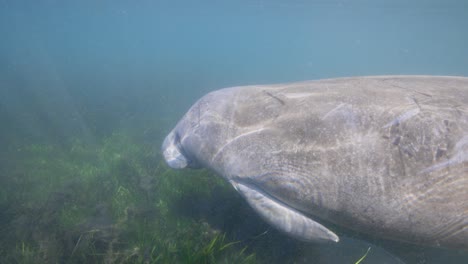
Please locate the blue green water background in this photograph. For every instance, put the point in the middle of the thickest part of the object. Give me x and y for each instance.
(84, 71)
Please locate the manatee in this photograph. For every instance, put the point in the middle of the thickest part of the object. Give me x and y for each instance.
(381, 155)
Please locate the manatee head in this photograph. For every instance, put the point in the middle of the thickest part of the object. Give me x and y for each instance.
(196, 137)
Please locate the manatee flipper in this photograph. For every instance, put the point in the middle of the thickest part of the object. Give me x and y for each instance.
(284, 218)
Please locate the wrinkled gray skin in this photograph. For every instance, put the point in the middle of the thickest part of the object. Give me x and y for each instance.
(386, 156)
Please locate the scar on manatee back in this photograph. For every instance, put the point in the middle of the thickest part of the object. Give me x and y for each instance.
(274, 97)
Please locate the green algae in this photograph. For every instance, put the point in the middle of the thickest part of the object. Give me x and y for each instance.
(109, 202)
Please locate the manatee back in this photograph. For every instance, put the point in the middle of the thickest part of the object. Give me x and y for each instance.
(387, 155)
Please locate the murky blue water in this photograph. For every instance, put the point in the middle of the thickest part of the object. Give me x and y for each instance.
(84, 69)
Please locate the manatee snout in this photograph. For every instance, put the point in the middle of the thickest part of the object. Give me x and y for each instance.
(172, 151)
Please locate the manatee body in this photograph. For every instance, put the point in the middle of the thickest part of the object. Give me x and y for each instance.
(386, 155)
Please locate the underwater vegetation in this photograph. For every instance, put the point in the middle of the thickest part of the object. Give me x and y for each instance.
(113, 201)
